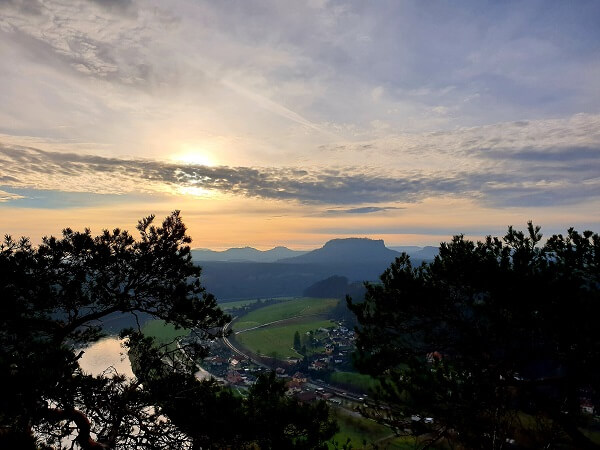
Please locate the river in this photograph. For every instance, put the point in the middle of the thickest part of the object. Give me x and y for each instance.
(106, 356)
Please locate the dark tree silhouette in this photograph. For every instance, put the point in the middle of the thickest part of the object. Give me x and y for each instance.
(496, 341)
(52, 300)
(297, 343)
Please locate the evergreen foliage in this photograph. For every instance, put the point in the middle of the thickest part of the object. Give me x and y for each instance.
(495, 341)
(53, 298)
(297, 343)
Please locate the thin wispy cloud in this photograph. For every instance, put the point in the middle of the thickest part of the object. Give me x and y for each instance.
(361, 210)
(9, 196)
(500, 139)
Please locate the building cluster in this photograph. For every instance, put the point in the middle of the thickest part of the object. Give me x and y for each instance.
(586, 401)
(234, 369)
(338, 344)
(299, 386)
(228, 367)
(334, 345)
(331, 350)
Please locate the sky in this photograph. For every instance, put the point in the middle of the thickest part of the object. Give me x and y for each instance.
(294, 122)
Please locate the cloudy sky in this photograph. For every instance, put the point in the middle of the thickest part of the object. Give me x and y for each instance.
(292, 122)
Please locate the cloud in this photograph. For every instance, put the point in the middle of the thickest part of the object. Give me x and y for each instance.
(8, 196)
(361, 210)
(576, 131)
(267, 72)
(36, 198)
(25, 7)
(119, 5)
(550, 155)
(509, 183)
(104, 39)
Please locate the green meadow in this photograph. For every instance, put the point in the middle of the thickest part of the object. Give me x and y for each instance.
(285, 310)
(278, 340)
(303, 315)
(355, 380)
(163, 332)
(366, 434)
(227, 306)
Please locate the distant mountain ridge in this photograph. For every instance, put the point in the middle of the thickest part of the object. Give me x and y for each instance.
(240, 273)
(426, 253)
(333, 250)
(244, 254)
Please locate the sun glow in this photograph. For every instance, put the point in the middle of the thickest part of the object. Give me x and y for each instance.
(195, 191)
(195, 157)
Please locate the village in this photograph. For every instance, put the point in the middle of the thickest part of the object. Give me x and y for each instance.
(308, 379)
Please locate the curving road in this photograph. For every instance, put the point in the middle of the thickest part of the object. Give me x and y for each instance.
(236, 350)
(271, 323)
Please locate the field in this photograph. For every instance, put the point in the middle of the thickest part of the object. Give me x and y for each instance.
(356, 380)
(164, 333)
(278, 340)
(363, 433)
(301, 315)
(227, 306)
(285, 310)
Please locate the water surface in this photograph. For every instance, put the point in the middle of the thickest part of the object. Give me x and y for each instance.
(106, 356)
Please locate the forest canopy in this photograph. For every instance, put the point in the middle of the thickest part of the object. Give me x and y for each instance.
(492, 344)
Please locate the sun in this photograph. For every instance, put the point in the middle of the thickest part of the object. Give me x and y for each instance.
(196, 158)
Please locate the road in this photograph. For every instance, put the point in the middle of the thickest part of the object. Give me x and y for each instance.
(237, 351)
(271, 323)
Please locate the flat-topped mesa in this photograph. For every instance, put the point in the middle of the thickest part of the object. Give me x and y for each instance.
(347, 251)
(355, 242)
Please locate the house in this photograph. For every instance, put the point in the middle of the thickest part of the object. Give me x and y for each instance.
(234, 377)
(306, 397)
(434, 356)
(318, 365)
(217, 361)
(587, 407)
(293, 386)
(325, 395)
(299, 377)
